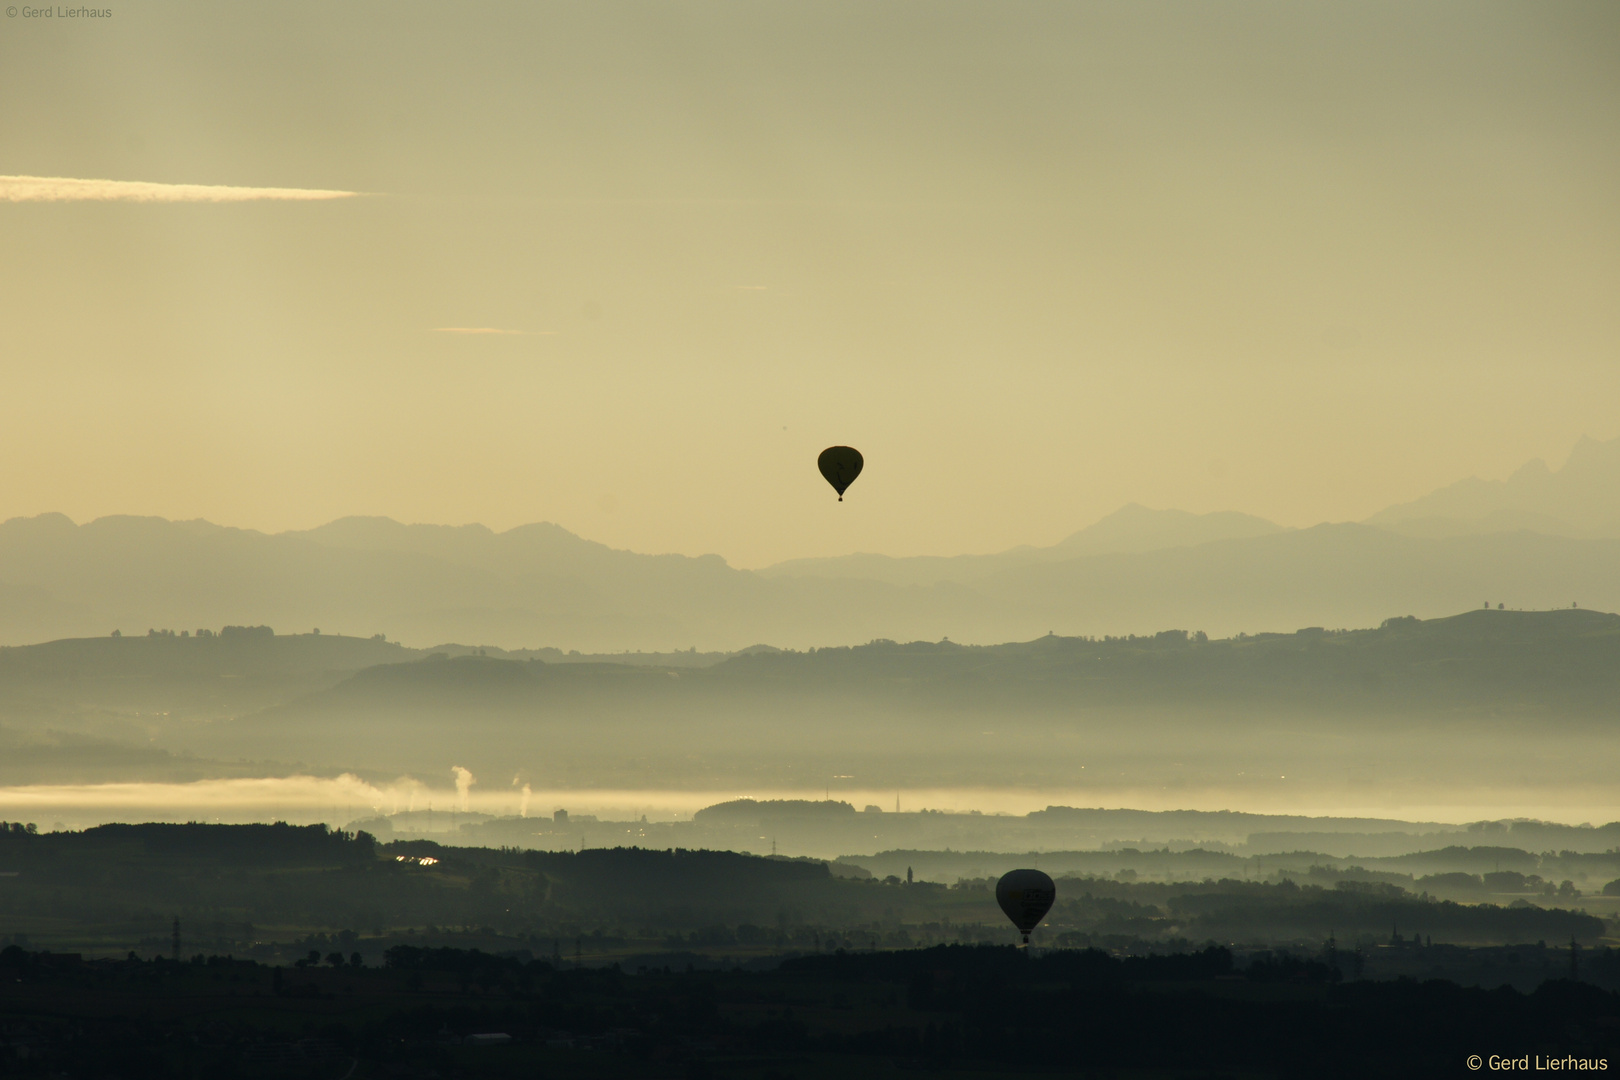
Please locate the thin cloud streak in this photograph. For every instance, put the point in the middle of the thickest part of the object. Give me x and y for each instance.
(489, 330)
(69, 189)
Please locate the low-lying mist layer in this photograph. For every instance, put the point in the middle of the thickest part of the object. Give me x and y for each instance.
(1491, 714)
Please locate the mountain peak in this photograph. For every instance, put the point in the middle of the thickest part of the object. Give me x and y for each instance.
(1580, 499)
(1593, 454)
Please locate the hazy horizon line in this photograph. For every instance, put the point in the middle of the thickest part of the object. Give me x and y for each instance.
(302, 794)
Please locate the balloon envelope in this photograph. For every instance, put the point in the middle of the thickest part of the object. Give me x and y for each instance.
(1026, 896)
(840, 465)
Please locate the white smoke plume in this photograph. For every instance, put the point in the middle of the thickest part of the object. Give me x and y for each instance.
(464, 782)
(523, 804)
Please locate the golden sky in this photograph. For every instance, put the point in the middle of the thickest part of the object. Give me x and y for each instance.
(629, 266)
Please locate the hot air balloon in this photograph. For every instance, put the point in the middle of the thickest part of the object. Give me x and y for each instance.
(840, 465)
(1026, 896)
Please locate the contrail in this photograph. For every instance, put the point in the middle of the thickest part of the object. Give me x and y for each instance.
(69, 189)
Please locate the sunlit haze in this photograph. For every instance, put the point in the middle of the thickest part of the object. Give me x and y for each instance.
(1036, 261)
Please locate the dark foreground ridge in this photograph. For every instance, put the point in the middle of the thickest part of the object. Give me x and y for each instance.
(957, 1010)
(266, 890)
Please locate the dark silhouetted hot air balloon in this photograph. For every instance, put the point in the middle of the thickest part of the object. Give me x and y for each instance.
(1026, 896)
(840, 465)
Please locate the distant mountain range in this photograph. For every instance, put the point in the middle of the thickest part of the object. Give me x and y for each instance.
(1540, 539)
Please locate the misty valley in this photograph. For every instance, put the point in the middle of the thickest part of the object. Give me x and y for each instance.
(1355, 778)
(500, 861)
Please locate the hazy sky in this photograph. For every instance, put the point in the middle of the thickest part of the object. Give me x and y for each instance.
(1034, 259)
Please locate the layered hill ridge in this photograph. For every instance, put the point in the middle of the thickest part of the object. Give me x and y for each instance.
(1313, 721)
(1562, 664)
